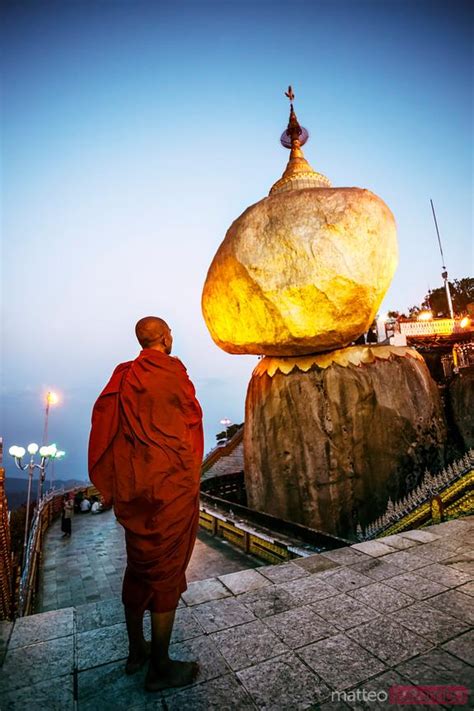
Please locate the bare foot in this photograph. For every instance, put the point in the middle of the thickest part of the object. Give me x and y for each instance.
(172, 673)
(134, 663)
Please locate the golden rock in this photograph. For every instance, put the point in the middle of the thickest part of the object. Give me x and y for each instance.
(302, 271)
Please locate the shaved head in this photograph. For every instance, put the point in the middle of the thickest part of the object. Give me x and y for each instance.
(153, 332)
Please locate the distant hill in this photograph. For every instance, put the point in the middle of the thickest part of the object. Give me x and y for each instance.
(17, 489)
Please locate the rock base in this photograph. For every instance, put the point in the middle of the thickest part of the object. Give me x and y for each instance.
(329, 438)
(461, 400)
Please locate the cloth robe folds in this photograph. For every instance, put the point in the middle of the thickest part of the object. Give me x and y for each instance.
(145, 454)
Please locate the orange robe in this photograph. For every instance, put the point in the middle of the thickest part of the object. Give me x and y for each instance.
(145, 454)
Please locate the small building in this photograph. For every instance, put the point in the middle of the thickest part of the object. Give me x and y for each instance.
(226, 459)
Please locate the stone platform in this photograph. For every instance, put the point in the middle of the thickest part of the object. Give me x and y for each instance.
(89, 566)
(397, 611)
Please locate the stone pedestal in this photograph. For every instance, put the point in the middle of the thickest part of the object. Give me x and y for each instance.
(329, 437)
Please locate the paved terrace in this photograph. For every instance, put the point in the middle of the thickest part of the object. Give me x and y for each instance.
(369, 616)
(89, 566)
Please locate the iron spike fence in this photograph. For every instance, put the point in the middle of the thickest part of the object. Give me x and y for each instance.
(431, 488)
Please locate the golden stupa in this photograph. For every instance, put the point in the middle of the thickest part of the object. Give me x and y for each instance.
(305, 269)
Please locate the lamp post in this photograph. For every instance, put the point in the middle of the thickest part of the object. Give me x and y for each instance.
(51, 399)
(444, 273)
(18, 453)
(58, 454)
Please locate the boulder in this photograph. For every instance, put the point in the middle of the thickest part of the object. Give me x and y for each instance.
(329, 438)
(301, 271)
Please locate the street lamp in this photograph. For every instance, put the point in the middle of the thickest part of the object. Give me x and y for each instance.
(58, 454)
(45, 452)
(51, 399)
(444, 273)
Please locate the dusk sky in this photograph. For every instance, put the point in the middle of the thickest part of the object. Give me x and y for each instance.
(134, 133)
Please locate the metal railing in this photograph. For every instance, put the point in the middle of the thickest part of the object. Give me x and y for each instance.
(439, 327)
(47, 509)
(430, 489)
(6, 565)
(230, 487)
(299, 534)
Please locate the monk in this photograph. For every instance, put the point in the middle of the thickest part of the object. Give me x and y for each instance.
(145, 453)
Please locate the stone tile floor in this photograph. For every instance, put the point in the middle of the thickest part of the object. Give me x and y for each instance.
(360, 619)
(89, 566)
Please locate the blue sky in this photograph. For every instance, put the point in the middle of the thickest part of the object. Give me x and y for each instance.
(134, 133)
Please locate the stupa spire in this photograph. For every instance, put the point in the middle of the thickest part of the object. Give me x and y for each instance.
(298, 173)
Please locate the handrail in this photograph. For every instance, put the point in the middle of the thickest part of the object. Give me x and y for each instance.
(33, 551)
(296, 531)
(47, 509)
(431, 487)
(6, 567)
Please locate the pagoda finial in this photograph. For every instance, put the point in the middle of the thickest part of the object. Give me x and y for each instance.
(295, 135)
(298, 173)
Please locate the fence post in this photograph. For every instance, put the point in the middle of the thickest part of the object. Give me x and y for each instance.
(436, 509)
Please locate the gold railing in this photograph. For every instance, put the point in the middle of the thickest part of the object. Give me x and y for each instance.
(440, 326)
(266, 546)
(435, 498)
(456, 500)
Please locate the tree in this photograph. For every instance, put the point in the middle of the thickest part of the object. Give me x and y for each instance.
(462, 295)
(396, 315)
(227, 434)
(413, 311)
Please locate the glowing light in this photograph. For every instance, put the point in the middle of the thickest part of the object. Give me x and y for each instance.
(54, 451)
(59, 454)
(52, 398)
(425, 316)
(277, 297)
(465, 322)
(32, 448)
(226, 422)
(17, 452)
(45, 451)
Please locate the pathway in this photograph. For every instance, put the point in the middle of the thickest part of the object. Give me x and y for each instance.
(89, 566)
(321, 632)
